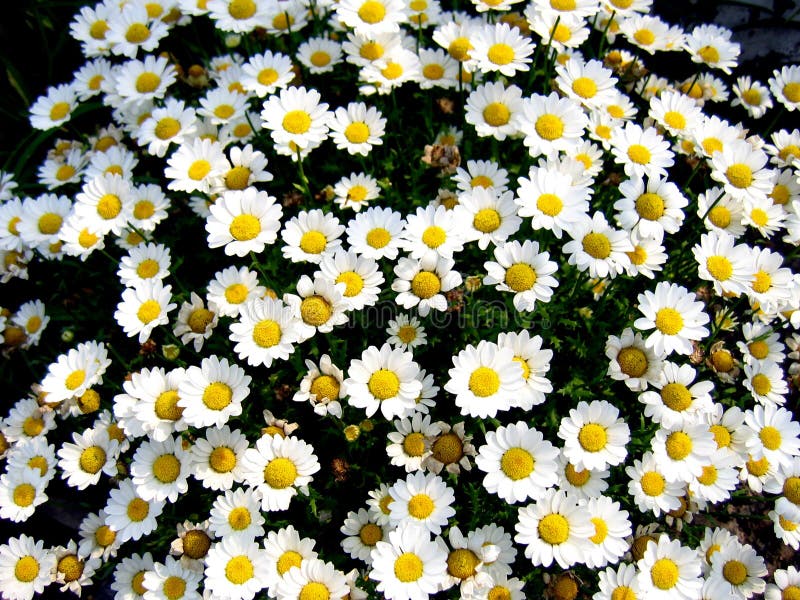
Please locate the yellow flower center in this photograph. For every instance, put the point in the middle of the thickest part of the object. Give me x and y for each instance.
(65, 172)
(652, 483)
(287, 560)
(664, 574)
(166, 406)
(372, 12)
(678, 445)
(496, 114)
(217, 395)
(791, 489)
(196, 544)
(267, 333)
(549, 204)
(408, 567)
(26, 569)
(486, 220)
(166, 468)
(622, 592)
(632, 361)
(92, 459)
(709, 475)
(199, 320)
(420, 506)
(59, 111)
(770, 437)
(669, 321)
(24, 495)
(739, 175)
(174, 587)
(499, 592)
(500, 54)
(788, 525)
(239, 570)
(320, 58)
(222, 459)
(384, 384)
(434, 236)
(38, 462)
(239, 519)
(759, 468)
(448, 448)
(357, 132)
(734, 572)
(71, 566)
(138, 510)
(779, 194)
(378, 237)
(459, 49)
(433, 71)
(645, 37)
(563, 5)
(584, 87)
(709, 54)
(297, 122)
(199, 169)
(315, 311)
(280, 473)
(314, 591)
(792, 92)
(414, 444)
(137, 33)
(650, 206)
(761, 384)
(751, 97)
(98, 30)
(517, 463)
(407, 334)
(592, 437)
(148, 311)
(313, 242)
(639, 154)
(721, 435)
(242, 9)
(576, 477)
(597, 245)
(484, 382)
(676, 396)
(425, 285)
(32, 426)
(147, 83)
(50, 223)
(371, 51)
(282, 21)
(481, 181)
(325, 386)
(549, 127)
(353, 281)
(75, 379)
(720, 216)
(562, 33)
(520, 277)
(554, 529)
(600, 530)
(461, 563)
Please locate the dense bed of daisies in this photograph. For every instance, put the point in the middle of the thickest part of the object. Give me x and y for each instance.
(376, 298)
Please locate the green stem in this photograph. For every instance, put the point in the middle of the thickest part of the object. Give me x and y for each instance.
(303, 178)
(604, 39)
(775, 120)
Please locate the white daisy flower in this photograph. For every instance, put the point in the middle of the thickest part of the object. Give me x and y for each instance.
(681, 451)
(27, 421)
(594, 435)
(146, 262)
(323, 386)
(55, 108)
(128, 515)
(313, 576)
(143, 308)
(581, 484)
(319, 55)
(535, 363)
(139, 82)
(76, 371)
(91, 455)
(719, 479)
(97, 538)
(650, 489)
(676, 317)
(785, 86)
(611, 528)
(311, 235)
(173, 123)
(642, 152)
(552, 124)
(237, 514)
(616, 583)
(160, 470)
(632, 361)
(741, 169)
(481, 173)
(170, 578)
(650, 209)
(439, 69)
(320, 306)
(360, 275)
(752, 95)
(495, 110)
(677, 400)
(357, 128)
(406, 332)
(286, 549)
(376, 233)
(766, 382)
(248, 167)
(194, 167)
(243, 221)
(217, 457)
(195, 322)
(264, 332)
(21, 491)
(72, 570)
(231, 288)
(355, 191)
(220, 106)
(669, 570)
(296, 116)
(362, 535)
(384, 378)
(423, 500)
(489, 216)
(589, 83)
(411, 441)
(776, 435)
(42, 219)
(34, 455)
(420, 283)
(25, 567)
(502, 48)
(213, 392)
(598, 248)
(553, 200)
(236, 568)
(132, 29)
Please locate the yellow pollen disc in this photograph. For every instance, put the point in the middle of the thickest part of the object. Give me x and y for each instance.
(603, 131)
(166, 406)
(105, 536)
(779, 194)
(484, 382)
(222, 459)
(751, 97)
(236, 293)
(372, 12)
(739, 175)
(414, 444)
(709, 54)
(26, 569)
(640, 545)
(224, 111)
(597, 245)
(650, 206)
(392, 70)
(550, 204)
(584, 87)
(669, 321)
(217, 395)
(378, 237)
(92, 459)
(520, 277)
(433, 71)
(114, 170)
(242, 9)
(408, 567)
(576, 477)
(297, 122)
(759, 217)
(721, 435)
(148, 268)
(592, 437)
(267, 76)
(554, 529)
(500, 54)
(237, 178)
(137, 33)
(761, 384)
(267, 333)
(32, 426)
(325, 386)
(420, 506)
(313, 242)
(792, 92)
(720, 216)
(24, 494)
(789, 151)
(242, 130)
(239, 519)
(315, 311)
(239, 570)
(770, 437)
(98, 30)
(645, 37)
(196, 544)
(38, 462)
(199, 169)
(678, 445)
(357, 193)
(371, 51)
(734, 572)
(353, 281)
(71, 567)
(174, 587)
(791, 490)
(138, 510)
(709, 475)
(148, 311)
(166, 468)
(459, 49)
(199, 320)
(425, 284)
(526, 370)
(370, 534)
(632, 361)
(357, 132)
(244, 228)
(486, 220)
(481, 181)
(280, 473)
(50, 223)
(563, 5)
(788, 525)
(639, 154)
(664, 574)
(759, 349)
(562, 33)
(147, 83)
(289, 559)
(461, 563)
(384, 504)
(320, 58)
(407, 334)
(65, 172)
(499, 592)
(314, 591)
(496, 114)
(143, 209)
(448, 448)
(638, 256)
(134, 239)
(759, 468)
(12, 226)
(600, 530)
(549, 127)
(517, 463)
(615, 111)
(75, 379)
(676, 396)
(434, 236)
(384, 384)
(59, 111)
(652, 483)
(282, 22)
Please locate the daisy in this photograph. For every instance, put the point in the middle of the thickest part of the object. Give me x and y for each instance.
(720, 477)
(776, 435)
(616, 584)
(764, 216)
(361, 277)
(11, 214)
(42, 219)
(193, 167)
(171, 578)
(420, 283)
(355, 191)
(552, 124)
(752, 95)
(154, 410)
(296, 116)
(669, 570)
(597, 247)
(21, 491)
(243, 221)
(451, 450)
(357, 128)
(320, 306)
(721, 212)
(741, 170)
(220, 106)
(173, 123)
(642, 152)
(313, 576)
(706, 46)
(491, 215)
(146, 262)
(481, 173)
(787, 582)
(128, 515)
(264, 332)
(97, 538)
(406, 332)
(150, 206)
(195, 322)
(55, 108)
(237, 514)
(761, 344)
(676, 317)
(25, 567)
(143, 308)
(285, 550)
(766, 382)
(236, 568)
(535, 363)
(785, 86)
(27, 421)
(632, 361)
(563, 31)
(439, 69)
(319, 55)
(581, 484)
(213, 392)
(57, 172)
(132, 29)
(192, 542)
(553, 200)
(248, 167)
(73, 571)
(650, 209)
(411, 441)
(277, 467)
(408, 565)
(433, 231)
(160, 470)
(495, 110)
(91, 455)
(594, 437)
(311, 235)
(677, 400)
(362, 535)
(34, 455)
(484, 379)
(729, 267)
(105, 203)
(323, 386)
(519, 463)
(267, 72)
(75, 372)
(501, 48)
(140, 82)
(681, 451)
(611, 528)
(554, 528)
(231, 288)
(375, 233)
(384, 378)
(589, 83)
